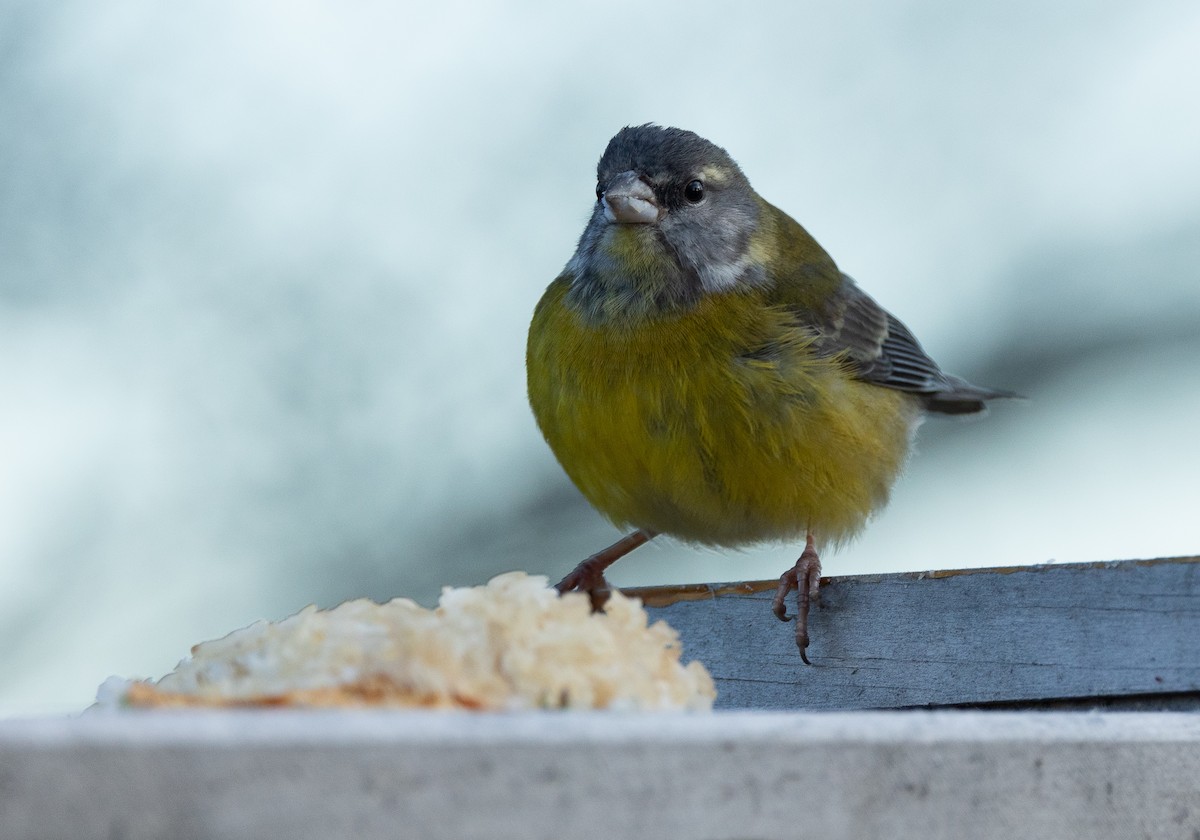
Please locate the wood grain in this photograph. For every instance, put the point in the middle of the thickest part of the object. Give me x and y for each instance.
(1077, 634)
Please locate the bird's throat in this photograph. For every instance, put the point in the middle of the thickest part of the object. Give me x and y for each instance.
(628, 273)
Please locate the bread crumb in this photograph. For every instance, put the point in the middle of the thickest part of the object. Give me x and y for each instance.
(509, 645)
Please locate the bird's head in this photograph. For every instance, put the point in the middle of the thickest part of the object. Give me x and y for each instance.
(673, 220)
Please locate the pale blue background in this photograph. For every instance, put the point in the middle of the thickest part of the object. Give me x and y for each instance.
(266, 269)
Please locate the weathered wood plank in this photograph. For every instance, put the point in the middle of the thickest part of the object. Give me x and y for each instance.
(1020, 635)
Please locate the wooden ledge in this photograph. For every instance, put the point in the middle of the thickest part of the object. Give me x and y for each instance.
(1122, 634)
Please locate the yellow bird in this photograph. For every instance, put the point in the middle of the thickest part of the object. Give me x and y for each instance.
(702, 369)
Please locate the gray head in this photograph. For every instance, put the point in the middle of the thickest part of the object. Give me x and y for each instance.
(673, 219)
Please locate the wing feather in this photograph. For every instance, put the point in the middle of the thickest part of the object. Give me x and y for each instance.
(879, 349)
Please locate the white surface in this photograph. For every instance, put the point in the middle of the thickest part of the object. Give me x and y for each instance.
(726, 775)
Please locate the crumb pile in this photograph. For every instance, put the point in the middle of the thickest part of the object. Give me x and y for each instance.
(512, 644)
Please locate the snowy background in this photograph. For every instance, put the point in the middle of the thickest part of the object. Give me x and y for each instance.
(266, 270)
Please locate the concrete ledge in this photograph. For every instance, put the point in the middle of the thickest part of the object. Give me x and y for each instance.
(728, 775)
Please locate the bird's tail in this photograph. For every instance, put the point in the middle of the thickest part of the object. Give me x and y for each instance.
(961, 397)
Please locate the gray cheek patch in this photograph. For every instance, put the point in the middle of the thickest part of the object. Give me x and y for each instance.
(713, 244)
(693, 251)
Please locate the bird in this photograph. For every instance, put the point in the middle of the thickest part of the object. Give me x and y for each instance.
(701, 368)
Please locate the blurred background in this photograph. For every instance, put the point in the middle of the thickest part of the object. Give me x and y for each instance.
(266, 270)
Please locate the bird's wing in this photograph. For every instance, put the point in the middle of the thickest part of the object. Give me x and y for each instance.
(878, 348)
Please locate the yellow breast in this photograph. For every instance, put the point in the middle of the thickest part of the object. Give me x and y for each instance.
(716, 425)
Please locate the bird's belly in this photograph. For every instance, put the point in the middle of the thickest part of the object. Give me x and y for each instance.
(687, 434)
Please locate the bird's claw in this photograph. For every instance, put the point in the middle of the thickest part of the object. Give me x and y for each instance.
(588, 576)
(588, 579)
(805, 578)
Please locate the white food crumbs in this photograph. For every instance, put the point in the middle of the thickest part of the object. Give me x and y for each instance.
(512, 644)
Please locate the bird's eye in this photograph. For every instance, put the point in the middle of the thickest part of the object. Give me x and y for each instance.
(694, 192)
(599, 191)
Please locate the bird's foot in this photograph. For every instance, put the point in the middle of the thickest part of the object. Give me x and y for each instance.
(805, 578)
(588, 576)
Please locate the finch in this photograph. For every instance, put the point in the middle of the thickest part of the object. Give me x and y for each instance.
(701, 368)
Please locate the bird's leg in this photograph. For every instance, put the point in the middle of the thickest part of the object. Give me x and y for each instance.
(588, 576)
(805, 578)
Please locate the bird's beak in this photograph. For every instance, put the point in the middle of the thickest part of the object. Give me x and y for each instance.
(629, 200)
